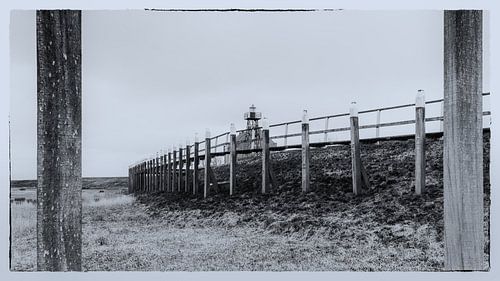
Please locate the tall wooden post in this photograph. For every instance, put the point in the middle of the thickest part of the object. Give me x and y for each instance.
(148, 176)
(266, 155)
(169, 172)
(59, 158)
(155, 173)
(463, 141)
(174, 170)
(208, 159)
(181, 163)
(355, 151)
(163, 172)
(196, 165)
(141, 178)
(232, 159)
(420, 143)
(188, 168)
(129, 186)
(306, 153)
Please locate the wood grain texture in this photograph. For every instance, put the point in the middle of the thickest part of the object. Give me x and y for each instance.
(232, 164)
(355, 157)
(206, 174)
(59, 160)
(463, 141)
(265, 161)
(188, 169)
(306, 155)
(196, 164)
(419, 150)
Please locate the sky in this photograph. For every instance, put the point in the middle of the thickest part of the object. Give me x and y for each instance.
(150, 80)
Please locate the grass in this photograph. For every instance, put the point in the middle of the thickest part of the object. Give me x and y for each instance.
(120, 234)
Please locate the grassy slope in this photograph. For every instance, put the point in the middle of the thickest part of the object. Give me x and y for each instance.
(386, 229)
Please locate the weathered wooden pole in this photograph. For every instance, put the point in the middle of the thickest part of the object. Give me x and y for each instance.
(181, 163)
(148, 176)
(129, 187)
(355, 151)
(306, 153)
(169, 171)
(174, 169)
(377, 128)
(208, 159)
(141, 179)
(144, 178)
(59, 158)
(188, 168)
(232, 159)
(165, 172)
(155, 173)
(420, 143)
(463, 141)
(196, 164)
(266, 155)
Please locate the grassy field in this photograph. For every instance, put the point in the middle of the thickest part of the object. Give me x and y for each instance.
(388, 228)
(120, 234)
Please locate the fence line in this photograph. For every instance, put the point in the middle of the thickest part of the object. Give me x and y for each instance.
(172, 171)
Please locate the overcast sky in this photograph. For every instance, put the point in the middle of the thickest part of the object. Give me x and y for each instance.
(153, 79)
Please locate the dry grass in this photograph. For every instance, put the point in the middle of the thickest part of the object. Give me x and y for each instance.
(120, 235)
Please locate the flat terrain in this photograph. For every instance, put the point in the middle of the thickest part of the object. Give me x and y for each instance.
(388, 228)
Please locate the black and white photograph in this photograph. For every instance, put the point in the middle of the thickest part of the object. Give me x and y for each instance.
(250, 139)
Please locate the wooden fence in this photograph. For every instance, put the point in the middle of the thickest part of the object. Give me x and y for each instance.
(179, 169)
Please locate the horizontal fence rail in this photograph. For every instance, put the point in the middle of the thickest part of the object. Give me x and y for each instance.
(177, 170)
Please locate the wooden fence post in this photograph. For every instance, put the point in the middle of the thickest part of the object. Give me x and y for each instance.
(377, 130)
(155, 173)
(59, 158)
(164, 172)
(149, 176)
(169, 171)
(208, 158)
(306, 153)
(355, 151)
(420, 143)
(188, 167)
(181, 163)
(174, 170)
(139, 188)
(232, 159)
(196, 164)
(265, 156)
(463, 141)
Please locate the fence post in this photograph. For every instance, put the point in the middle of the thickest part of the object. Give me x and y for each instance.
(155, 165)
(326, 128)
(463, 141)
(146, 189)
(141, 179)
(150, 175)
(355, 150)
(169, 171)
(181, 163)
(306, 153)
(420, 143)
(206, 176)
(265, 156)
(286, 134)
(377, 131)
(174, 169)
(164, 171)
(188, 167)
(196, 163)
(232, 159)
(59, 137)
